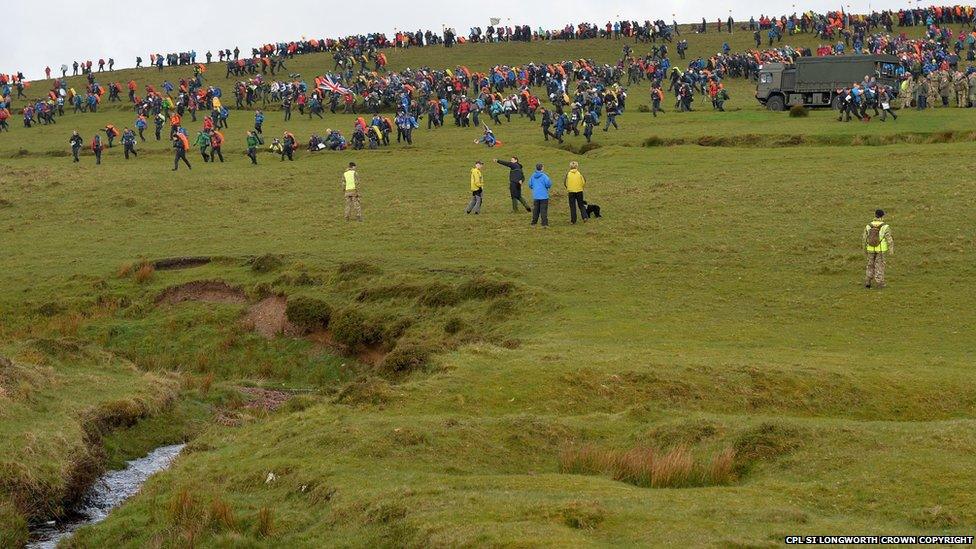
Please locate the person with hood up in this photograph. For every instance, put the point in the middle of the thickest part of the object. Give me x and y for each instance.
(540, 184)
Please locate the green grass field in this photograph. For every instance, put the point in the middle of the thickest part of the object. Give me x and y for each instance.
(716, 310)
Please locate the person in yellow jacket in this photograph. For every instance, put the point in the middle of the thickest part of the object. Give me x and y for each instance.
(477, 187)
(350, 186)
(574, 183)
(877, 244)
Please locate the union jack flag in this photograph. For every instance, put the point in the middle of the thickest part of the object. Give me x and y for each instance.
(329, 84)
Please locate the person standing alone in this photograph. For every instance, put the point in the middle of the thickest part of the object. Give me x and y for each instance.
(515, 179)
(574, 183)
(878, 244)
(350, 186)
(477, 188)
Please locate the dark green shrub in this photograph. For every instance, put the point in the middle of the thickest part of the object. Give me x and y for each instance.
(308, 312)
(643, 108)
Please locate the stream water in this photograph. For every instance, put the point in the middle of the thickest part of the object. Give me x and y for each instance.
(108, 492)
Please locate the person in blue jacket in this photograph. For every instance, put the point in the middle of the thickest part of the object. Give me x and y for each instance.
(540, 184)
(259, 120)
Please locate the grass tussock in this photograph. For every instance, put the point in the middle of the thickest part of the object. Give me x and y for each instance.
(264, 526)
(356, 269)
(144, 273)
(308, 312)
(583, 515)
(762, 443)
(937, 517)
(406, 357)
(352, 328)
(266, 263)
(366, 391)
(799, 111)
(650, 468)
(221, 515)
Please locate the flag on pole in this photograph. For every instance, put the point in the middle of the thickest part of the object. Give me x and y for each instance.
(495, 20)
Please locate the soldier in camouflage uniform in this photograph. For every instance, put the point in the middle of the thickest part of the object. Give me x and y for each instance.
(932, 89)
(972, 88)
(922, 93)
(961, 86)
(907, 91)
(878, 244)
(945, 87)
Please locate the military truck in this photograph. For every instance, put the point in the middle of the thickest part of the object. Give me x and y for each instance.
(814, 81)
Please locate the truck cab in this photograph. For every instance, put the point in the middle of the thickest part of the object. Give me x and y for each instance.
(770, 85)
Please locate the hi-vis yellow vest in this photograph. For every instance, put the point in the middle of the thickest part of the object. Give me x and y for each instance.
(350, 177)
(882, 246)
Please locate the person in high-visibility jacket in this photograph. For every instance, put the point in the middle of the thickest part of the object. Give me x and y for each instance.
(574, 183)
(477, 187)
(350, 186)
(878, 244)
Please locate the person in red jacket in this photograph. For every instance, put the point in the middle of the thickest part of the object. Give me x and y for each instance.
(4, 115)
(216, 141)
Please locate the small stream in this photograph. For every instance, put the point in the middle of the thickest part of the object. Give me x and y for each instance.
(108, 492)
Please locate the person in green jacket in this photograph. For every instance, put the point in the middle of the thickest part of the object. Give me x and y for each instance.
(203, 141)
(252, 147)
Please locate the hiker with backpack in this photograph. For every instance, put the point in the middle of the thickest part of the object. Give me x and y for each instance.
(97, 148)
(180, 144)
(216, 142)
(252, 147)
(203, 141)
(129, 143)
(878, 244)
(288, 147)
(76, 142)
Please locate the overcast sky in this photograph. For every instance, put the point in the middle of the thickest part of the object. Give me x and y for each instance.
(61, 31)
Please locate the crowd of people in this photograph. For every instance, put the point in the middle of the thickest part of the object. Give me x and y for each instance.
(565, 98)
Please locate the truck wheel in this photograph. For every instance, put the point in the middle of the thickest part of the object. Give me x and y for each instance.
(775, 104)
(835, 103)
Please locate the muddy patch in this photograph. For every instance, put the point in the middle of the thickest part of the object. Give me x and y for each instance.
(268, 317)
(268, 400)
(177, 263)
(207, 291)
(372, 355)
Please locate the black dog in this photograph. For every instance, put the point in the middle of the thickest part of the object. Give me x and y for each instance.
(592, 210)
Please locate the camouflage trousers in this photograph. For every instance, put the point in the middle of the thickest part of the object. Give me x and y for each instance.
(353, 206)
(875, 272)
(962, 96)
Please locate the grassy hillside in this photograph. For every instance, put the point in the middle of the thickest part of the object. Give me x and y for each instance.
(700, 366)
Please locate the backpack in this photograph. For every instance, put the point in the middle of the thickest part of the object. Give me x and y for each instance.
(874, 235)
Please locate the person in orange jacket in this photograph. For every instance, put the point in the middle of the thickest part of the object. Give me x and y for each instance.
(174, 124)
